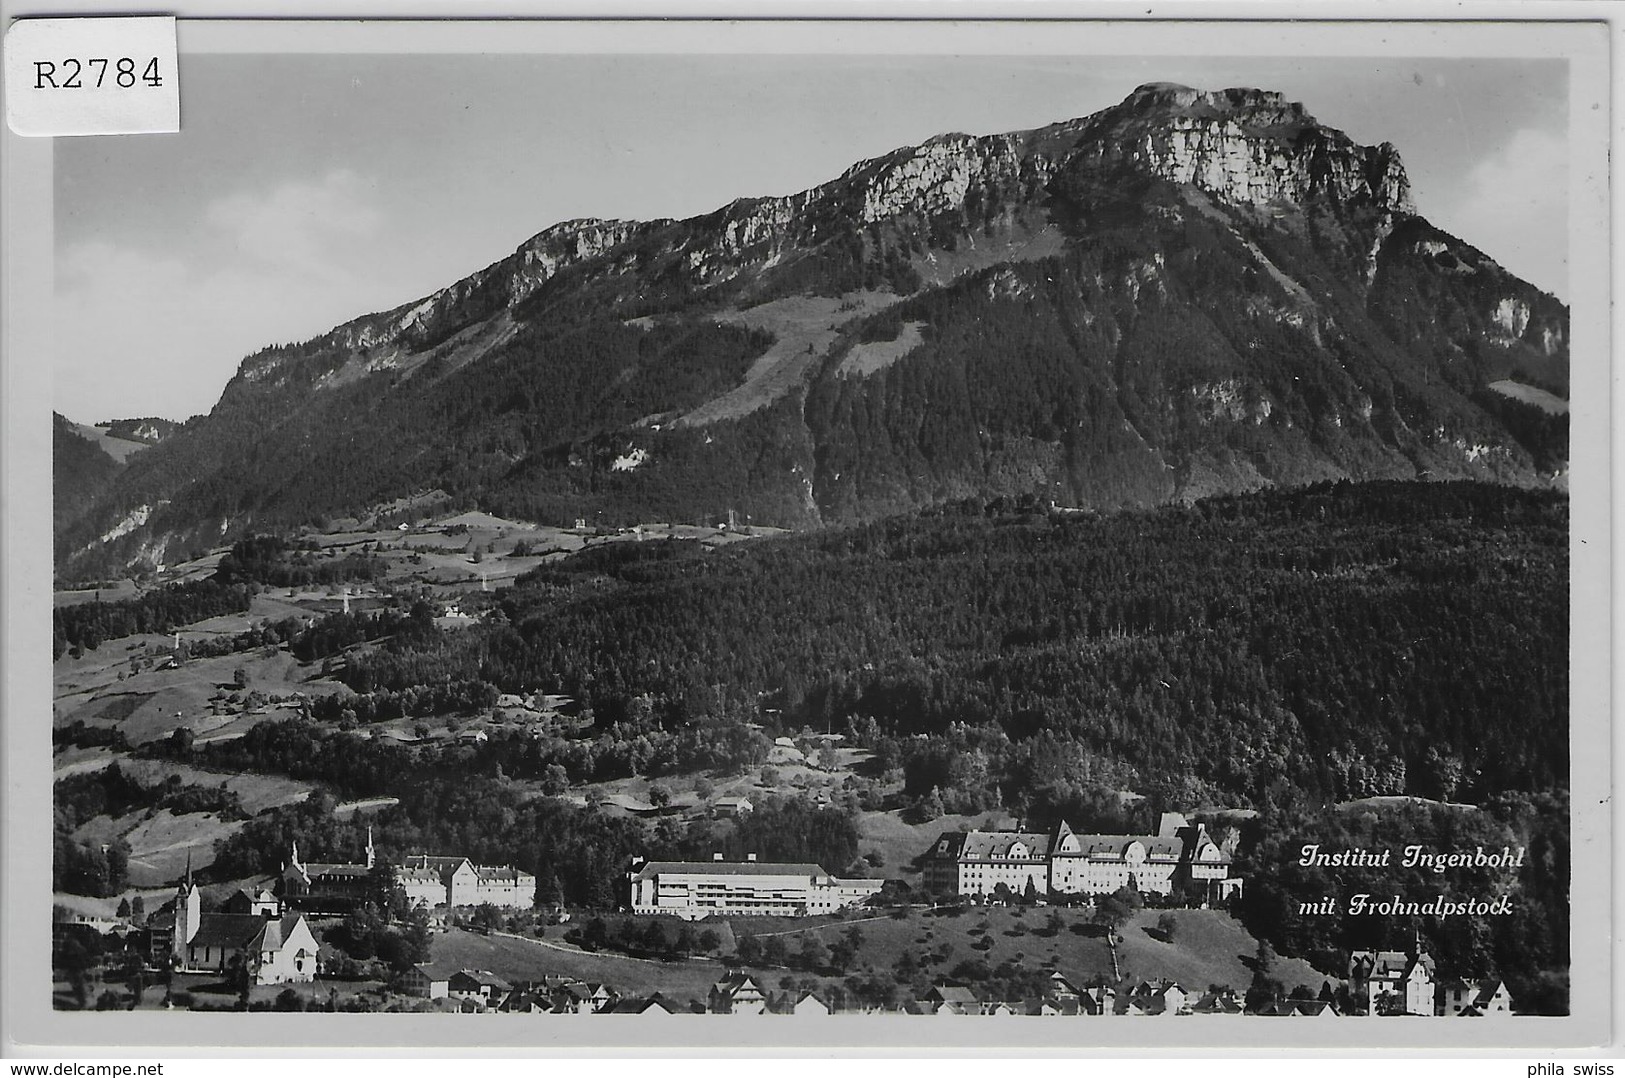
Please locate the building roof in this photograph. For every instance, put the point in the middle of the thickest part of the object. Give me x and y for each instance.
(501, 872)
(231, 930)
(484, 978)
(739, 985)
(728, 868)
(951, 993)
(1390, 965)
(641, 1006)
(324, 868)
(437, 971)
(1115, 847)
(996, 845)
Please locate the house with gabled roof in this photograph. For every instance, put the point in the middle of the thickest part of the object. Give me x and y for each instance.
(431, 980)
(1458, 998)
(655, 1004)
(1393, 982)
(582, 997)
(477, 984)
(804, 1002)
(948, 999)
(1219, 1001)
(737, 993)
(1100, 1000)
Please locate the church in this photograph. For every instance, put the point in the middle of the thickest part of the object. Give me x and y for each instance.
(275, 948)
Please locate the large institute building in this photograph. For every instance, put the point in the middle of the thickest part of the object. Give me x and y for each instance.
(696, 889)
(428, 881)
(1180, 854)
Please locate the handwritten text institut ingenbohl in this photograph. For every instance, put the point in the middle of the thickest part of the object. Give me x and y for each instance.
(1507, 857)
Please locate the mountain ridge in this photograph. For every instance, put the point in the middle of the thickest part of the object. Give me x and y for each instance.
(1220, 250)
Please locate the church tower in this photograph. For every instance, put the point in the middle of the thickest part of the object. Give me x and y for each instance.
(370, 855)
(188, 912)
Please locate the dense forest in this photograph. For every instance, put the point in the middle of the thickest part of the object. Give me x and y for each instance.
(1302, 654)
(81, 472)
(1333, 642)
(253, 563)
(86, 625)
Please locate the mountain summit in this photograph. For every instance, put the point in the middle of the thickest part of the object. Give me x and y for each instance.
(1189, 292)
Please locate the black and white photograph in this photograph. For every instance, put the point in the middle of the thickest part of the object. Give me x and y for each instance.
(826, 522)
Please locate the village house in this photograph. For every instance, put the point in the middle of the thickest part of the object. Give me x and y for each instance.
(655, 1005)
(802, 1003)
(1157, 1000)
(430, 980)
(480, 985)
(696, 889)
(583, 997)
(1393, 982)
(947, 999)
(1297, 1008)
(1219, 1001)
(732, 807)
(737, 993)
(1470, 999)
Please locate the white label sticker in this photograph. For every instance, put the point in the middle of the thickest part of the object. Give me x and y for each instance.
(92, 76)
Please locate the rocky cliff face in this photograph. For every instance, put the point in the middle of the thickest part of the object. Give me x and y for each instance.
(1188, 292)
(1245, 147)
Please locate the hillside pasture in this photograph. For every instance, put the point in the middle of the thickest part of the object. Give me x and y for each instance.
(1208, 947)
(516, 958)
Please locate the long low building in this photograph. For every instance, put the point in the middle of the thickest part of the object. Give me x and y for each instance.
(695, 889)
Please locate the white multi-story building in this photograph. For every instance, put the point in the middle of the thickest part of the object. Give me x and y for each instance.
(1066, 862)
(456, 881)
(696, 889)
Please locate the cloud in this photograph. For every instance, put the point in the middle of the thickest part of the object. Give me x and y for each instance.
(157, 327)
(310, 227)
(1515, 208)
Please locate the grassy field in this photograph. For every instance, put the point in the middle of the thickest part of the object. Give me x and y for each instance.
(515, 958)
(899, 843)
(1207, 947)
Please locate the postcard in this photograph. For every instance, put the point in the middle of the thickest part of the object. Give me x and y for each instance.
(568, 533)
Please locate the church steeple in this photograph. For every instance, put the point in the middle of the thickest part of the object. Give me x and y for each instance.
(188, 913)
(370, 854)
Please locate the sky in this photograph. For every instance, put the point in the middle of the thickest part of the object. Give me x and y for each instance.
(303, 191)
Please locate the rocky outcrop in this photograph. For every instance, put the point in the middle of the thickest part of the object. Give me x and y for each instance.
(1241, 146)
(1136, 314)
(1246, 147)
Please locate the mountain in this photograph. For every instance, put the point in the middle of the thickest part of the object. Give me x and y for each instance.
(1186, 293)
(81, 470)
(148, 430)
